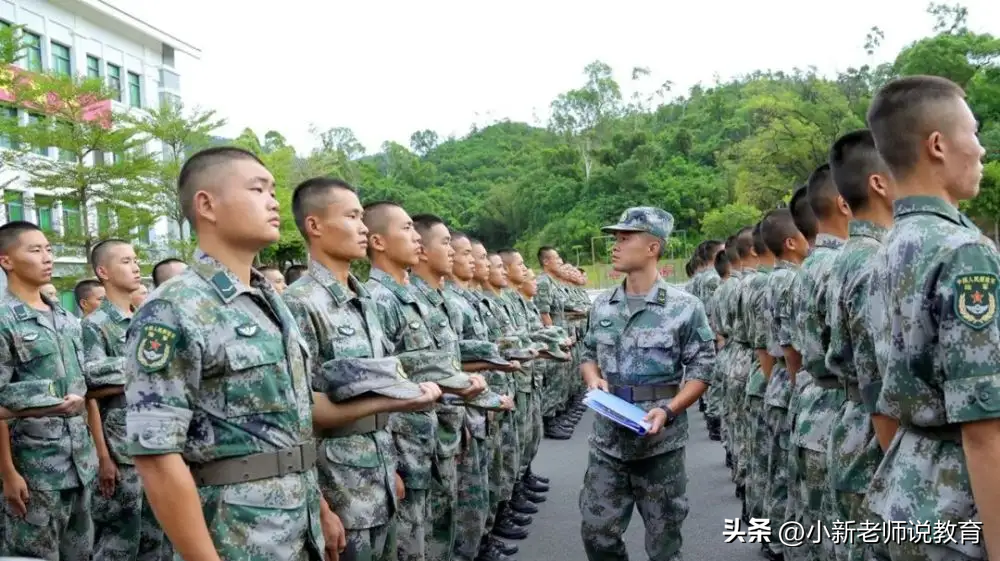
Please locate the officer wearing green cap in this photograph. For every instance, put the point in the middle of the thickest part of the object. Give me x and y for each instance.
(643, 338)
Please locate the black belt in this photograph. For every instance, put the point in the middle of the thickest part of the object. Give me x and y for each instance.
(265, 465)
(828, 383)
(634, 394)
(951, 433)
(363, 425)
(114, 401)
(854, 393)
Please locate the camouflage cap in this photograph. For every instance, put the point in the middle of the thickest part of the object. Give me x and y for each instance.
(30, 394)
(649, 219)
(345, 378)
(513, 348)
(440, 367)
(551, 345)
(488, 400)
(481, 351)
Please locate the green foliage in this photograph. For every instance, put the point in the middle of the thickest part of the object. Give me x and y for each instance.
(720, 223)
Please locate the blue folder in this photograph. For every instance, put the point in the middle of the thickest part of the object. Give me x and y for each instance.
(616, 409)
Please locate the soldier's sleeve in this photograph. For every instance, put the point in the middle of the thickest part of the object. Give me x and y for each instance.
(782, 313)
(697, 346)
(863, 351)
(98, 368)
(761, 319)
(164, 366)
(543, 297)
(588, 352)
(6, 355)
(299, 308)
(388, 315)
(968, 333)
(836, 319)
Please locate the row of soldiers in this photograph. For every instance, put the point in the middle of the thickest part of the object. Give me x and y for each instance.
(858, 345)
(233, 415)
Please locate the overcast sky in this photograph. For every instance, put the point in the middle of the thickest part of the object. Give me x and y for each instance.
(386, 69)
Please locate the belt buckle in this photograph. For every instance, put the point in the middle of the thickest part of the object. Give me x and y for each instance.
(290, 460)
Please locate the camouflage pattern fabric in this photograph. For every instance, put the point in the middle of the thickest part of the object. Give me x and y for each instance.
(523, 380)
(853, 451)
(217, 369)
(758, 325)
(55, 455)
(817, 405)
(356, 472)
(414, 434)
(940, 366)
(654, 346)
(716, 394)
(738, 374)
(124, 526)
(550, 299)
(506, 465)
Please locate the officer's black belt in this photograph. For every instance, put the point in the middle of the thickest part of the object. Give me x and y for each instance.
(116, 401)
(635, 394)
(827, 383)
(854, 393)
(363, 425)
(265, 465)
(951, 432)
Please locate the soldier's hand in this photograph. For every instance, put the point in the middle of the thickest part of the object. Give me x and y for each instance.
(6, 414)
(334, 535)
(514, 366)
(598, 384)
(507, 402)
(478, 386)
(15, 491)
(431, 393)
(107, 477)
(72, 404)
(656, 418)
(400, 488)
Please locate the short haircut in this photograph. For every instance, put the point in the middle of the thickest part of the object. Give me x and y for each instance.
(721, 263)
(759, 247)
(732, 252)
(424, 222)
(507, 254)
(904, 112)
(189, 181)
(822, 192)
(11, 232)
(157, 273)
(709, 249)
(84, 289)
(777, 227)
(802, 213)
(457, 235)
(99, 253)
(543, 253)
(689, 268)
(744, 242)
(274, 268)
(375, 215)
(853, 159)
(310, 197)
(294, 273)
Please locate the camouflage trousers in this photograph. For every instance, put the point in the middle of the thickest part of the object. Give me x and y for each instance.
(716, 392)
(552, 390)
(811, 490)
(493, 451)
(529, 433)
(411, 525)
(777, 445)
(757, 450)
(505, 465)
(473, 504)
(57, 526)
(441, 503)
(576, 386)
(735, 407)
(656, 486)
(370, 544)
(125, 527)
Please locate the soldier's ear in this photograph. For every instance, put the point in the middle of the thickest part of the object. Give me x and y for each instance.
(203, 204)
(376, 242)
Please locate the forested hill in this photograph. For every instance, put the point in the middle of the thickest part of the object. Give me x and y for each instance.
(715, 157)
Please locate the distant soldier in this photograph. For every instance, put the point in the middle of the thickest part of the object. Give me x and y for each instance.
(551, 303)
(88, 294)
(274, 276)
(166, 270)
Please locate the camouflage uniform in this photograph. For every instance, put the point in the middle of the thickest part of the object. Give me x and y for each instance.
(853, 451)
(125, 527)
(550, 299)
(529, 426)
(758, 322)
(737, 376)
(217, 372)
(577, 301)
(55, 455)
(723, 325)
(777, 395)
(647, 350)
(939, 368)
(356, 464)
(415, 434)
(818, 403)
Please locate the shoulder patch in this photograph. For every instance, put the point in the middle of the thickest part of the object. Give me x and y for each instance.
(661, 296)
(976, 299)
(156, 346)
(705, 333)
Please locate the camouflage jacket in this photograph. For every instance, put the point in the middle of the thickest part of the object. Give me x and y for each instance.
(856, 451)
(722, 300)
(936, 280)
(667, 340)
(756, 315)
(780, 285)
(50, 453)
(518, 311)
(218, 369)
(104, 365)
(707, 290)
(462, 306)
(740, 302)
(403, 323)
(357, 472)
(551, 299)
(451, 417)
(817, 406)
(497, 306)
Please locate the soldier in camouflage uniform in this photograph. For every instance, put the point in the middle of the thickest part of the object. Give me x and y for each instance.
(124, 525)
(340, 324)
(577, 306)
(720, 318)
(938, 360)
(707, 281)
(551, 303)
(48, 492)
(644, 337)
(818, 403)
(853, 452)
(219, 412)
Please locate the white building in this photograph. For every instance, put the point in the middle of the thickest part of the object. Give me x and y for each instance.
(92, 37)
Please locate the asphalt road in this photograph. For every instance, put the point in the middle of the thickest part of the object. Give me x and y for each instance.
(555, 533)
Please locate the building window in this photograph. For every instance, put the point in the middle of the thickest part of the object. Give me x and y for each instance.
(32, 44)
(8, 113)
(115, 81)
(103, 219)
(143, 232)
(93, 67)
(14, 201)
(72, 225)
(43, 207)
(35, 118)
(134, 90)
(60, 59)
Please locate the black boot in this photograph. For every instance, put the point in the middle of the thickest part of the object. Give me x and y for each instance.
(504, 528)
(489, 552)
(503, 547)
(554, 431)
(537, 477)
(532, 496)
(714, 429)
(518, 519)
(522, 505)
(701, 405)
(729, 460)
(532, 485)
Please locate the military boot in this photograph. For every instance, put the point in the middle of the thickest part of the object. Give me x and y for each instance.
(533, 485)
(522, 505)
(502, 546)
(532, 496)
(554, 431)
(540, 479)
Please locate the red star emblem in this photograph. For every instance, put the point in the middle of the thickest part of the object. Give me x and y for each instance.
(154, 345)
(977, 297)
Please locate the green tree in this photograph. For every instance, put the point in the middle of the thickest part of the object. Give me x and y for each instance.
(720, 223)
(583, 115)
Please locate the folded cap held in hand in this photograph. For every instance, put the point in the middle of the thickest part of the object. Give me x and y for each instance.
(346, 378)
(431, 365)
